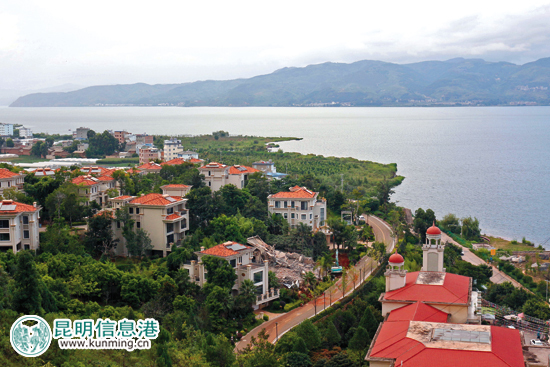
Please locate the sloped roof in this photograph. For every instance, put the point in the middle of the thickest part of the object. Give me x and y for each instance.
(454, 289)
(173, 162)
(121, 197)
(173, 216)
(296, 192)
(85, 180)
(229, 248)
(176, 186)
(397, 341)
(10, 207)
(237, 170)
(6, 173)
(94, 170)
(418, 311)
(213, 165)
(156, 199)
(196, 160)
(150, 166)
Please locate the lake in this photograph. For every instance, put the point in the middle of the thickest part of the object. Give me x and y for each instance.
(489, 162)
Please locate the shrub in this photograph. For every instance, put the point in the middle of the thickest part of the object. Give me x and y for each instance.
(266, 318)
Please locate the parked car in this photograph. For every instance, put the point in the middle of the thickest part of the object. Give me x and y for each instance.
(511, 327)
(536, 342)
(462, 253)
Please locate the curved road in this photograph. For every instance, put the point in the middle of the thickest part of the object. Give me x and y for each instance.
(282, 323)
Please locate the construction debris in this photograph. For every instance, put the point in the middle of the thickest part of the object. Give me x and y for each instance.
(288, 266)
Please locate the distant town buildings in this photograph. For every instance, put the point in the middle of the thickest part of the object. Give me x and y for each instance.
(268, 168)
(18, 226)
(299, 205)
(172, 148)
(6, 129)
(81, 133)
(25, 133)
(148, 154)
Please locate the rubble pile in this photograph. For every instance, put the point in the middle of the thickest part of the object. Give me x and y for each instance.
(289, 267)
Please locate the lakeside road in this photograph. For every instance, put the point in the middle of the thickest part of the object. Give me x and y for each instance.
(469, 256)
(282, 323)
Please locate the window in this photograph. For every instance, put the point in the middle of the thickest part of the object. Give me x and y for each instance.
(304, 216)
(292, 204)
(138, 224)
(292, 215)
(26, 234)
(209, 183)
(259, 277)
(118, 224)
(286, 215)
(240, 259)
(310, 216)
(209, 173)
(5, 223)
(169, 227)
(4, 236)
(27, 247)
(233, 263)
(25, 219)
(169, 240)
(183, 224)
(285, 204)
(170, 211)
(277, 204)
(131, 210)
(137, 210)
(303, 205)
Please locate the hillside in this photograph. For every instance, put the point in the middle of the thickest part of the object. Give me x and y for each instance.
(363, 83)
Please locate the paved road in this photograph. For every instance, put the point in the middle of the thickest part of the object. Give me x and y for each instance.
(284, 322)
(469, 256)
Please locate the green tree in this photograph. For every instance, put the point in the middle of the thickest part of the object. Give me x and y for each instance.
(220, 272)
(332, 335)
(59, 238)
(9, 143)
(139, 244)
(470, 229)
(422, 221)
(360, 339)
(309, 332)
(99, 238)
(258, 353)
(536, 308)
(297, 359)
(26, 298)
(451, 223)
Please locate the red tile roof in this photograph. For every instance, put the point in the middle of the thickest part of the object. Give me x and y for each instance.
(296, 192)
(213, 165)
(122, 197)
(418, 312)
(155, 199)
(10, 207)
(392, 343)
(85, 180)
(223, 249)
(173, 216)
(237, 170)
(94, 170)
(195, 160)
(176, 186)
(150, 166)
(455, 289)
(6, 173)
(173, 162)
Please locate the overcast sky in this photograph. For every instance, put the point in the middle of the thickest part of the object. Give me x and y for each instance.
(53, 42)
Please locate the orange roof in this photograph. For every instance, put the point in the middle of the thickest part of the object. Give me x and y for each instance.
(85, 180)
(229, 248)
(10, 206)
(195, 160)
(173, 216)
(156, 199)
(6, 173)
(176, 186)
(107, 213)
(174, 162)
(150, 166)
(96, 170)
(295, 192)
(214, 165)
(237, 170)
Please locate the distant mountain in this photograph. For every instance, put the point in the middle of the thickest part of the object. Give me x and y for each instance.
(7, 96)
(363, 83)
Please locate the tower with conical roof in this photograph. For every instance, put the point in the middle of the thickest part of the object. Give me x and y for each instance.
(433, 250)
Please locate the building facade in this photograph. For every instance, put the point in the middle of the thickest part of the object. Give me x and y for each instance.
(243, 262)
(93, 188)
(148, 154)
(6, 129)
(299, 205)
(172, 148)
(19, 226)
(9, 179)
(164, 217)
(215, 175)
(81, 133)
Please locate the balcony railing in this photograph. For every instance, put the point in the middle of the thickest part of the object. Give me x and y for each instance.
(268, 296)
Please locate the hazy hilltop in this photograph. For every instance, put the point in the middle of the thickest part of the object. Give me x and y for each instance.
(363, 83)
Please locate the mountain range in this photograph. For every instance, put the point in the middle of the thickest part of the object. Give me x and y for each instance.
(363, 83)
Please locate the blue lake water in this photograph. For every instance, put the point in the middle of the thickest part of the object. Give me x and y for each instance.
(489, 162)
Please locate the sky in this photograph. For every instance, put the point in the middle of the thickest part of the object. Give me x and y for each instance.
(49, 43)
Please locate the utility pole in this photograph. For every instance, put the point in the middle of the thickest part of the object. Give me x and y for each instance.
(277, 331)
(342, 181)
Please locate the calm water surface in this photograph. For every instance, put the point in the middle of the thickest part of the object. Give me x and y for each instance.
(488, 162)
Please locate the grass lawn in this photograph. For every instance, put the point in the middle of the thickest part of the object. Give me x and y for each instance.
(24, 159)
(502, 244)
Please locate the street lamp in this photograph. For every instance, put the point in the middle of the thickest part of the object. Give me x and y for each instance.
(277, 331)
(324, 299)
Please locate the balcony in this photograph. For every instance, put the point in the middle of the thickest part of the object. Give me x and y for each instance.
(268, 296)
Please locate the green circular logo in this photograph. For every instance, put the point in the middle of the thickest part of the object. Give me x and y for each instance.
(30, 336)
